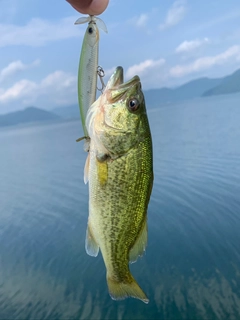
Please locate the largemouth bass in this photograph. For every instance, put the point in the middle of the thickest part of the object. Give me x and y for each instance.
(88, 65)
(120, 174)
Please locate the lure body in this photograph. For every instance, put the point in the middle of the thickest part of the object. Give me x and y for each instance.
(88, 65)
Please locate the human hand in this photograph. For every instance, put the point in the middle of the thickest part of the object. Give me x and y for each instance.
(91, 7)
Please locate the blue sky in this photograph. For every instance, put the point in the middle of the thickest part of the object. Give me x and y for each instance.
(165, 42)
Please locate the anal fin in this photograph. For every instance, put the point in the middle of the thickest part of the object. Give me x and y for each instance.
(139, 246)
(91, 245)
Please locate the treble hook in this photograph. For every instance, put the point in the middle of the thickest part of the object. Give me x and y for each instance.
(101, 74)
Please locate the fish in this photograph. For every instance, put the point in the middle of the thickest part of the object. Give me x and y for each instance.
(88, 65)
(119, 171)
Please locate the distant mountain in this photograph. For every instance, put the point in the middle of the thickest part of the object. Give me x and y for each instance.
(155, 97)
(189, 90)
(69, 112)
(30, 114)
(229, 84)
(196, 88)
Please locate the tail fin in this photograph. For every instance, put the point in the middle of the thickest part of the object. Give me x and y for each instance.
(123, 290)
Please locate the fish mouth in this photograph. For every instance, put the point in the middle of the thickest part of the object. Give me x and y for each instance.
(116, 88)
(116, 80)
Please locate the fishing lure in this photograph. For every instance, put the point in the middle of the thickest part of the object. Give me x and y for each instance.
(88, 66)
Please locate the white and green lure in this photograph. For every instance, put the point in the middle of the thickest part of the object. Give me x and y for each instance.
(88, 66)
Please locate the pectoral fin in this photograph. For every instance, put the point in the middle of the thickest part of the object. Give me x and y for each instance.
(86, 169)
(91, 245)
(140, 244)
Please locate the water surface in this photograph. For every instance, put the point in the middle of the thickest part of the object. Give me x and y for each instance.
(191, 269)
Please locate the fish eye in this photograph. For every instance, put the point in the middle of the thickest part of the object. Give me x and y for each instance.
(90, 30)
(133, 105)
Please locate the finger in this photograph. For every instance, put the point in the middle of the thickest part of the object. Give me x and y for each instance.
(91, 7)
(81, 6)
(98, 6)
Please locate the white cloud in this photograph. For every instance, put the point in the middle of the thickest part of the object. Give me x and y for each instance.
(175, 14)
(206, 62)
(142, 20)
(38, 32)
(57, 88)
(143, 67)
(187, 46)
(139, 21)
(17, 91)
(14, 67)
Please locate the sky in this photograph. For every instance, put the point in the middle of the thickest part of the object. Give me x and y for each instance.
(165, 42)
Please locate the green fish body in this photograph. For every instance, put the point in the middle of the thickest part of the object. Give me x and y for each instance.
(120, 174)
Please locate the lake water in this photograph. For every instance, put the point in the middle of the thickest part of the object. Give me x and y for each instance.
(191, 269)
